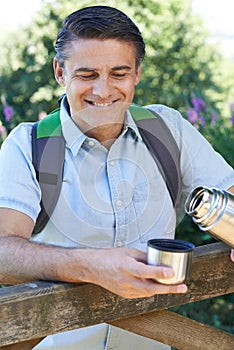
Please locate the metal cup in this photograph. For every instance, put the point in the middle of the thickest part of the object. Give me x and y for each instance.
(171, 252)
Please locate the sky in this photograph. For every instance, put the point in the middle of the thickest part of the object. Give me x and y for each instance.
(218, 16)
(17, 12)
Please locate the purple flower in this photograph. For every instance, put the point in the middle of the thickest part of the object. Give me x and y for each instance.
(214, 118)
(8, 112)
(231, 120)
(231, 106)
(202, 120)
(192, 115)
(198, 104)
(2, 130)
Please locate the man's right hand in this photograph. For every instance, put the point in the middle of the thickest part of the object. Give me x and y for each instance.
(124, 272)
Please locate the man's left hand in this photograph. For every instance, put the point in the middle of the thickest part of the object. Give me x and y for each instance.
(232, 255)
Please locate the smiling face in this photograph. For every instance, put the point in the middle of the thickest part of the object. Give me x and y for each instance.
(99, 77)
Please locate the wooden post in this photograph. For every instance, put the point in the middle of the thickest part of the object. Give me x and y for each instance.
(35, 310)
(177, 331)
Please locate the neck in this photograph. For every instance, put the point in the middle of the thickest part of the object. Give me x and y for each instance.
(106, 134)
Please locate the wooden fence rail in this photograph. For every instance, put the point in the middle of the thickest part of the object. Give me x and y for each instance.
(31, 311)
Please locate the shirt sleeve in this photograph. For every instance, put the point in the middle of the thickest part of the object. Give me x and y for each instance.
(200, 163)
(19, 189)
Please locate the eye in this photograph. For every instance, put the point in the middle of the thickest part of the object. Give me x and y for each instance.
(86, 76)
(119, 75)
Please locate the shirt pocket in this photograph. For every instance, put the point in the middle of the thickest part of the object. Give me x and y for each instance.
(149, 200)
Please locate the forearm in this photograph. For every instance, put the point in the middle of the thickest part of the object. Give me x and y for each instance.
(122, 271)
(22, 260)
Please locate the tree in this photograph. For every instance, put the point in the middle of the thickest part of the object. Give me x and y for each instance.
(177, 61)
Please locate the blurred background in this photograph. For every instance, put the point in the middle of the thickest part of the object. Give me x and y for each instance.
(189, 66)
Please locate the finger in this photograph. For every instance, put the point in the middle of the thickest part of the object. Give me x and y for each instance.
(170, 289)
(232, 255)
(148, 288)
(142, 270)
(138, 255)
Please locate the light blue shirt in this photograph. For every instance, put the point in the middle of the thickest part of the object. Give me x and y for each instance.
(116, 188)
(109, 198)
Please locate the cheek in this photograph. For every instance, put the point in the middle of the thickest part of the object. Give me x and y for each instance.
(76, 89)
(129, 88)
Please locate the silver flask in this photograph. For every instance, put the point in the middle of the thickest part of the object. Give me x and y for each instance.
(212, 210)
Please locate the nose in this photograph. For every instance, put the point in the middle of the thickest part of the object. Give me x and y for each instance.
(102, 87)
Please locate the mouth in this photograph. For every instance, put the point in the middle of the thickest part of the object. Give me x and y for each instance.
(99, 104)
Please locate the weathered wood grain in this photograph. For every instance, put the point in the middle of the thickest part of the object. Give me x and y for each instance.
(177, 331)
(25, 345)
(34, 310)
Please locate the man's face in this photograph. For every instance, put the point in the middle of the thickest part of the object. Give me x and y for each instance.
(99, 77)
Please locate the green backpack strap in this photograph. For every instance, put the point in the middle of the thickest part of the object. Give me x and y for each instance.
(163, 147)
(48, 153)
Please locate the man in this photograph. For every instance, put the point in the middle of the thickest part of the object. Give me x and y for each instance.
(113, 197)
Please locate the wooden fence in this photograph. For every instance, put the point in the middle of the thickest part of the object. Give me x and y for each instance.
(29, 312)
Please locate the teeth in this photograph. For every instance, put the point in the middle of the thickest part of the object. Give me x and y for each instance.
(102, 104)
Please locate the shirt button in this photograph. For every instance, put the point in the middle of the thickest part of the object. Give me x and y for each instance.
(118, 203)
(91, 143)
(112, 163)
(120, 244)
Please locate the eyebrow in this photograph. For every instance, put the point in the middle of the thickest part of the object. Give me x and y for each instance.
(122, 68)
(86, 69)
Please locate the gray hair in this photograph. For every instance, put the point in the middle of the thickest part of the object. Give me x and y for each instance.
(99, 22)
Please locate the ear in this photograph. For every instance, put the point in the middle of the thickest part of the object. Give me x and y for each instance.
(138, 74)
(58, 73)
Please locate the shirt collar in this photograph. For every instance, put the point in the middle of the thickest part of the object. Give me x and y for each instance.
(74, 137)
(130, 124)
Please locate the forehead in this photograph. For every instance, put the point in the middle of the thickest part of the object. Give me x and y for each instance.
(91, 52)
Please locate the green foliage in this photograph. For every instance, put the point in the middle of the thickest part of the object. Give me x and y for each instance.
(177, 60)
(27, 80)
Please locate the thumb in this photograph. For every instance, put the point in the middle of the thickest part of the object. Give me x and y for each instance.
(232, 255)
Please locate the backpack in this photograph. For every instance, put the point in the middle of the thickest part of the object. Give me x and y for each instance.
(48, 152)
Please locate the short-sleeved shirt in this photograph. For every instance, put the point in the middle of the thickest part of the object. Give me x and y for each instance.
(109, 198)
